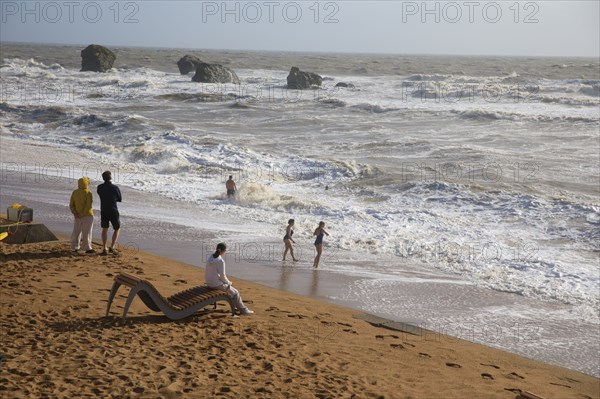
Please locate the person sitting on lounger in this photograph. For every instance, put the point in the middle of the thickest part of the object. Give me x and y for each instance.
(216, 278)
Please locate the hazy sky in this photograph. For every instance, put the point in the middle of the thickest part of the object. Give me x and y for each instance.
(548, 27)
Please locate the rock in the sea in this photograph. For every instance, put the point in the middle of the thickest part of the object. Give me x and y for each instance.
(97, 58)
(344, 84)
(300, 80)
(214, 73)
(188, 63)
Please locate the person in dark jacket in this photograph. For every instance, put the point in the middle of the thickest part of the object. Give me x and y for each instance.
(109, 213)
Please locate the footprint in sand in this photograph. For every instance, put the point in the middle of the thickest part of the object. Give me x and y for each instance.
(424, 355)
(383, 336)
(513, 390)
(267, 366)
(515, 376)
(490, 365)
(560, 385)
(308, 364)
(454, 365)
(487, 376)
(252, 345)
(571, 380)
(397, 346)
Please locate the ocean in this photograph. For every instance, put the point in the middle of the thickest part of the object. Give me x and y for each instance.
(479, 172)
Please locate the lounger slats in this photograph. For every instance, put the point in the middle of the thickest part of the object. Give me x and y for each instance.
(184, 296)
(182, 303)
(176, 306)
(198, 294)
(195, 295)
(127, 279)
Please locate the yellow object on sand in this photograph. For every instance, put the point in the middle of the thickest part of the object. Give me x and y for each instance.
(3, 235)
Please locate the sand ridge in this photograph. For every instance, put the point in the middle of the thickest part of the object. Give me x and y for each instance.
(56, 342)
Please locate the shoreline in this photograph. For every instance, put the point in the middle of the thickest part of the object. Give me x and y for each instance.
(513, 326)
(61, 345)
(430, 299)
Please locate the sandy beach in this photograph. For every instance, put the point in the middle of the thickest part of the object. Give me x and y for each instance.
(58, 344)
(452, 157)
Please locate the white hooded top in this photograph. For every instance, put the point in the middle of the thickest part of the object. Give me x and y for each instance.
(214, 274)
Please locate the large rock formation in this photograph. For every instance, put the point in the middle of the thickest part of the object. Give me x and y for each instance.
(300, 80)
(97, 58)
(214, 73)
(188, 63)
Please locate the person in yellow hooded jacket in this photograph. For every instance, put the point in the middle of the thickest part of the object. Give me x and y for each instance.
(81, 208)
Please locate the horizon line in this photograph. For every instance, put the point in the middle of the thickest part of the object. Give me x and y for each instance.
(596, 57)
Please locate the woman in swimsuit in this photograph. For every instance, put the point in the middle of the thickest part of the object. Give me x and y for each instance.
(320, 232)
(288, 240)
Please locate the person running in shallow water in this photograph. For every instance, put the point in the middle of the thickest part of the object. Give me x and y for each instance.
(288, 240)
(320, 232)
(230, 186)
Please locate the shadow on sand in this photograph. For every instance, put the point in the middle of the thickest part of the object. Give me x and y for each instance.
(111, 322)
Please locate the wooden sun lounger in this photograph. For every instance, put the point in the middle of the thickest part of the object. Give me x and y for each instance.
(175, 307)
